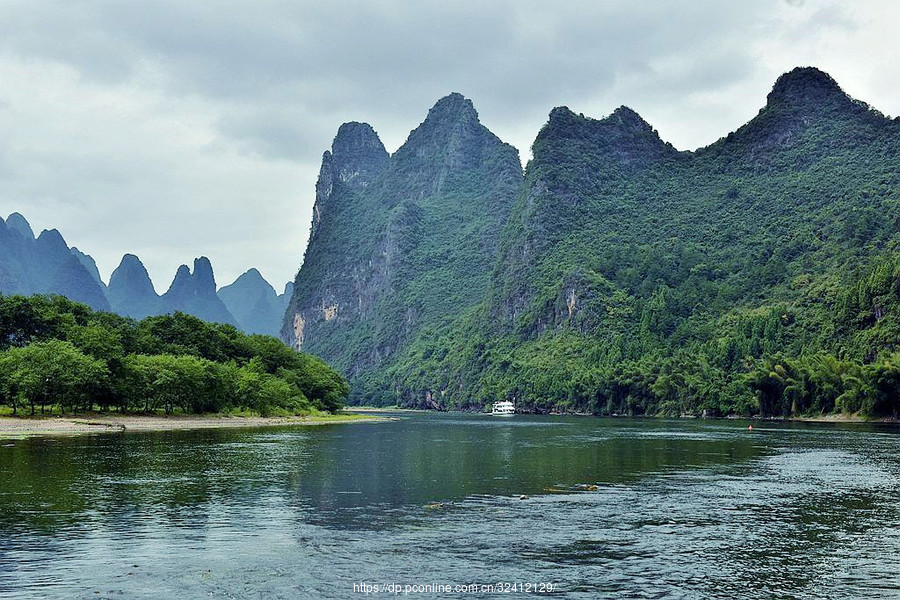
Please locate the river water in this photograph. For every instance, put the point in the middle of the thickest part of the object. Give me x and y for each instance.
(612, 508)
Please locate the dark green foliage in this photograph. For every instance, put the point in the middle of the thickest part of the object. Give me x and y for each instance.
(180, 333)
(323, 385)
(50, 373)
(58, 353)
(759, 275)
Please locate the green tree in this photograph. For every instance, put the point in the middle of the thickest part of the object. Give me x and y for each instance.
(50, 373)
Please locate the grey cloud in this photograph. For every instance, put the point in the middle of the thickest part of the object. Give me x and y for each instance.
(218, 112)
(277, 134)
(344, 57)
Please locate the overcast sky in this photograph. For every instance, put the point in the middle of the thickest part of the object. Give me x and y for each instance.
(176, 129)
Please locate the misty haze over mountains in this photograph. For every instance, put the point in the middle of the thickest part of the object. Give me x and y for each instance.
(46, 265)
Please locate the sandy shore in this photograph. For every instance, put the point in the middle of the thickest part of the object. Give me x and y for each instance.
(386, 409)
(13, 427)
(843, 418)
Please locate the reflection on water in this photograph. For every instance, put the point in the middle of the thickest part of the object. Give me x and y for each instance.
(612, 508)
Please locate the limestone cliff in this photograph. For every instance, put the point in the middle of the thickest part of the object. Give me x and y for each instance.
(620, 275)
(400, 244)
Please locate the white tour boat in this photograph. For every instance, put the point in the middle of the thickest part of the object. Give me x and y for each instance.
(505, 408)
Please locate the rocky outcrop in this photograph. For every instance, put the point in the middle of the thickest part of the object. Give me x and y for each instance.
(806, 109)
(357, 157)
(807, 87)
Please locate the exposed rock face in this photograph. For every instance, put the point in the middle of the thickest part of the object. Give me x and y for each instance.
(358, 154)
(356, 158)
(46, 265)
(401, 243)
(807, 86)
(131, 292)
(195, 293)
(254, 304)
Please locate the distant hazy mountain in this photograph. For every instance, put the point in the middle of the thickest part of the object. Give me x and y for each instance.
(131, 292)
(17, 222)
(255, 304)
(195, 293)
(88, 262)
(46, 265)
(14, 248)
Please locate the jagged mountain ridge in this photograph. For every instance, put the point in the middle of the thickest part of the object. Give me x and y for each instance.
(599, 199)
(621, 251)
(46, 265)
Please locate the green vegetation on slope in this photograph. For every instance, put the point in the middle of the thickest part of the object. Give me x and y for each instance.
(758, 275)
(58, 353)
(400, 244)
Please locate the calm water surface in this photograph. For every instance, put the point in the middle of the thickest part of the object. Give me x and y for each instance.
(615, 508)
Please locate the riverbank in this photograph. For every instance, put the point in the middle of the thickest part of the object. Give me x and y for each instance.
(17, 427)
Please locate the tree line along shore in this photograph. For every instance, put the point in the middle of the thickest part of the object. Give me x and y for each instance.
(58, 356)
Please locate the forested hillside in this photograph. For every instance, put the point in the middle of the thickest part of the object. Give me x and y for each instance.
(759, 275)
(58, 355)
(400, 245)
